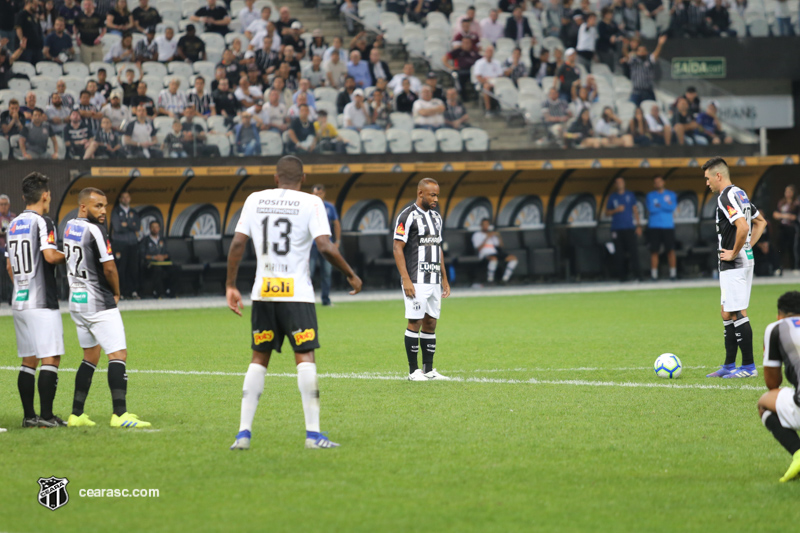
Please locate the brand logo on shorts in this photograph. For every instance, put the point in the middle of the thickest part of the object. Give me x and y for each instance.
(80, 298)
(260, 337)
(303, 336)
(401, 229)
(53, 492)
(22, 295)
(277, 287)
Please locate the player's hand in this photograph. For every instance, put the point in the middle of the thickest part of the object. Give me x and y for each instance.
(234, 299)
(356, 283)
(727, 255)
(408, 288)
(116, 298)
(445, 289)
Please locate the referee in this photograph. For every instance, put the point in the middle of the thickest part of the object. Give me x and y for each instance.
(642, 66)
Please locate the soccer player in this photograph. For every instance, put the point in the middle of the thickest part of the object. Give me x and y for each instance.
(283, 222)
(31, 257)
(780, 407)
(419, 258)
(739, 226)
(661, 204)
(93, 297)
(489, 245)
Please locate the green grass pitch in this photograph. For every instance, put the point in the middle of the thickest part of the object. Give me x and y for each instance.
(492, 452)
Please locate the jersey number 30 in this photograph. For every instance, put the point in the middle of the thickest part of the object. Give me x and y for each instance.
(27, 257)
(283, 245)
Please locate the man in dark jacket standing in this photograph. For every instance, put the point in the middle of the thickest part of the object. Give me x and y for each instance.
(125, 223)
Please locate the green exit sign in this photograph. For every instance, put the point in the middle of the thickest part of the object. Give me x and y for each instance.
(698, 68)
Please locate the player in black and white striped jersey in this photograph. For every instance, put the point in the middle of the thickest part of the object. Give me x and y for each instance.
(420, 261)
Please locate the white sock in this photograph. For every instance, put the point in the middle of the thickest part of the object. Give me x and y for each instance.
(673, 272)
(654, 273)
(309, 392)
(251, 393)
(510, 266)
(492, 268)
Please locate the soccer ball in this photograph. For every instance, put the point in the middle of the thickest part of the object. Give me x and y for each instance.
(668, 366)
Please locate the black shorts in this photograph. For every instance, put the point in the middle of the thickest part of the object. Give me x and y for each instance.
(272, 321)
(658, 237)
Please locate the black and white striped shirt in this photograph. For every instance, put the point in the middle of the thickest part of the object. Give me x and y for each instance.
(202, 104)
(93, 123)
(641, 73)
(174, 103)
(422, 232)
(111, 138)
(144, 51)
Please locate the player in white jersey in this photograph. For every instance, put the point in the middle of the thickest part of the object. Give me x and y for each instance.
(418, 255)
(780, 407)
(283, 223)
(739, 226)
(31, 255)
(93, 297)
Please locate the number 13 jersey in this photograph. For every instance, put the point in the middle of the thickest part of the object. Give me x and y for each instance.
(86, 247)
(283, 225)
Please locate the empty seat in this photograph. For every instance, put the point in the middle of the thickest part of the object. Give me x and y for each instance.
(475, 139)
(401, 121)
(221, 142)
(154, 68)
(49, 68)
(271, 143)
(353, 140)
(328, 94)
(449, 140)
(75, 68)
(373, 141)
(398, 140)
(23, 67)
(424, 141)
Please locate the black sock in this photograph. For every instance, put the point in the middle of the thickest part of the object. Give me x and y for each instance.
(412, 347)
(48, 381)
(428, 343)
(118, 383)
(83, 380)
(787, 437)
(744, 336)
(26, 383)
(731, 347)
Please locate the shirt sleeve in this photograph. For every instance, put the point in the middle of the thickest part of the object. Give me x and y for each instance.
(400, 229)
(243, 225)
(772, 356)
(318, 223)
(102, 243)
(730, 207)
(47, 234)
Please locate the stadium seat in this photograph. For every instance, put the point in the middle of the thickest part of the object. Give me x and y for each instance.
(373, 141)
(390, 17)
(402, 121)
(271, 143)
(180, 68)
(647, 27)
(475, 139)
(449, 140)
(205, 69)
(170, 15)
(398, 140)
(216, 123)
(154, 68)
(530, 87)
(504, 46)
(328, 106)
(23, 67)
(622, 86)
(4, 148)
(44, 83)
(94, 65)
(19, 85)
(220, 141)
(392, 30)
(6, 95)
(77, 69)
(328, 94)
(758, 27)
(625, 112)
(424, 141)
(49, 68)
(586, 255)
(108, 40)
(507, 96)
(180, 253)
(542, 259)
(531, 106)
(183, 79)
(460, 253)
(353, 140)
(232, 36)
(551, 43)
(163, 123)
(370, 18)
(208, 251)
(214, 41)
(122, 67)
(373, 256)
(646, 105)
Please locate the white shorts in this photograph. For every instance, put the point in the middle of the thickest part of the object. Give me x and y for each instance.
(40, 332)
(427, 300)
(104, 328)
(788, 411)
(735, 285)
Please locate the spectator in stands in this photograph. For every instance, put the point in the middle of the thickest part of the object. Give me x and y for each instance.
(267, 59)
(406, 98)
(172, 101)
(294, 65)
(455, 114)
(627, 15)
(686, 128)
(356, 113)
(318, 46)
(580, 99)
(432, 81)
(27, 110)
(556, 113)
(7, 59)
(581, 134)
(167, 45)
(396, 83)
(106, 142)
(419, 9)
(517, 26)
(246, 136)
(293, 39)
(33, 137)
(122, 51)
(247, 15)
(641, 66)
(57, 114)
(247, 94)
(513, 67)
(718, 21)
(466, 24)
(659, 126)
(141, 98)
(116, 111)
(304, 87)
(541, 66)
(261, 28)
(787, 213)
(119, 20)
(274, 116)
(692, 98)
(379, 109)
(145, 16)
(46, 14)
(570, 30)
(29, 32)
(57, 43)
(625, 228)
(377, 67)
(201, 99)
(639, 129)
(302, 99)
(256, 25)
(484, 72)
(397, 6)
(335, 71)
(428, 112)
(610, 128)
(345, 95)
(191, 48)
(335, 48)
(284, 23)
(462, 60)
(225, 102)
(215, 18)
(491, 29)
(286, 94)
(103, 86)
(70, 11)
(129, 86)
(608, 36)
(11, 120)
(551, 18)
(91, 28)
(302, 134)
(474, 26)
(328, 138)
(96, 98)
(314, 72)
(194, 136)
(688, 19)
(147, 48)
(711, 127)
(89, 112)
(232, 68)
(783, 18)
(358, 70)
(567, 75)
(587, 41)
(140, 136)
(77, 136)
(66, 98)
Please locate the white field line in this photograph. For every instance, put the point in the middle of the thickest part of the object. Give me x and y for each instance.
(402, 377)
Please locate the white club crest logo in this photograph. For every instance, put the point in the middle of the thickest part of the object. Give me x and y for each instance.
(53, 492)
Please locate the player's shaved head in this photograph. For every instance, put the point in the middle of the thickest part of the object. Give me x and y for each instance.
(428, 193)
(34, 186)
(789, 303)
(289, 170)
(424, 182)
(84, 195)
(715, 165)
(92, 205)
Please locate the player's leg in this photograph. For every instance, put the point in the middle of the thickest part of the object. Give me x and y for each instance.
(726, 287)
(414, 315)
(491, 268)
(50, 348)
(739, 302)
(26, 380)
(778, 410)
(83, 382)
(511, 264)
(428, 333)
